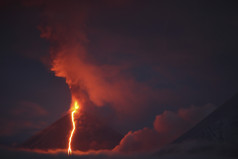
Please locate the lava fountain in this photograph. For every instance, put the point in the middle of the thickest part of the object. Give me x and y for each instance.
(74, 109)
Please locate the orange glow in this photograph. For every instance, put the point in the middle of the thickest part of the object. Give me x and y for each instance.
(73, 111)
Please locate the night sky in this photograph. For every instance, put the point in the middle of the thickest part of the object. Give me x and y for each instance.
(151, 58)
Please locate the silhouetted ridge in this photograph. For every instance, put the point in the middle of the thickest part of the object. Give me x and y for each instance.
(90, 134)
(220, 126)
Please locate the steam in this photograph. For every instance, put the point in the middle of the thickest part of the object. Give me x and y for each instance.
(167, 127)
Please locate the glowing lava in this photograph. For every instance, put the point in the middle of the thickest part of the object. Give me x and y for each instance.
(74, 110)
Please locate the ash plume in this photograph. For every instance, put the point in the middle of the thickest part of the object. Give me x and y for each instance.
(64, 25)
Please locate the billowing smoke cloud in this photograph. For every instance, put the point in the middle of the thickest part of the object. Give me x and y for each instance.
(144, 140)
(64, 25)
(167, 127)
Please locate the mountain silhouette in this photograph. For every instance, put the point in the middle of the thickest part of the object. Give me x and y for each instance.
(90, 134)
(221, 126)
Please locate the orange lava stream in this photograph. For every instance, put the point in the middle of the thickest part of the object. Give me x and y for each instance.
(75, 108)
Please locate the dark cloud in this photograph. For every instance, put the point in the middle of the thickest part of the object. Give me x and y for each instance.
(26, 117)
(28, 108)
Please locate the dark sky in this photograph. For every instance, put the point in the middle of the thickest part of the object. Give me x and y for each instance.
(185, 52)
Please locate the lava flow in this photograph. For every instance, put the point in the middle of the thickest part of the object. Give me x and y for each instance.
(74, 110)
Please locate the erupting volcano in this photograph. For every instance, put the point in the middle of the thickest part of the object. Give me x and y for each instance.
(80, 129)
(88, 132)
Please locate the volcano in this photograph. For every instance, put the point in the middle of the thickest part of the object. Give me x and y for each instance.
(221, 126)
(90, 134)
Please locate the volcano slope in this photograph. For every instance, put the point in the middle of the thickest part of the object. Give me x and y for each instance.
(221, 126)
(90, 134)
